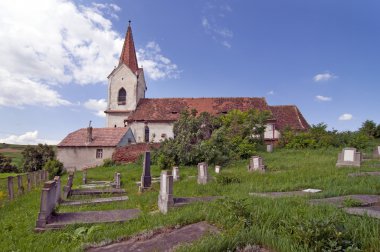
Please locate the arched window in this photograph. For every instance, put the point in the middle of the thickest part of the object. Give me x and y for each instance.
(122, 97)
(146, 137)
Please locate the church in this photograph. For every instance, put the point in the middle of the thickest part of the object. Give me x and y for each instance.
(132, 118)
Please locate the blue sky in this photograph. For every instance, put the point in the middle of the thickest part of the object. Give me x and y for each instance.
(320, 55)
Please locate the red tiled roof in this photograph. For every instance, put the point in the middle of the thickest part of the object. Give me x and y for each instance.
(128, 54)
(102, 137)
(289, 116)
(168, 109)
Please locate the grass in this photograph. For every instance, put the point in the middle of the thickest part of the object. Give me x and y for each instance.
(242, 219)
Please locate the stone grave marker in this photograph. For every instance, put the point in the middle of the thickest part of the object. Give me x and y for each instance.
(48, 203)
(256, 164)
(269, 147)
(376, 152)
(84, 177)
(165, 197)
(175, 173)
(349, 157)
(57, 180)
(67, 187)
(217, 168)
(146, 178)
(203, 176)
(117, 180)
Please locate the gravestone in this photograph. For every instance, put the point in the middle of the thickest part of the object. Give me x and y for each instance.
(11, 192)
(67, 187)
(203, 176)
(165, 197)
(146, 178)
(217, 168)
(270, 148)
(175, 173)
(57, 180)
(117, 180)
(256, 164)
(376, 152)
(84, 177)
(48, 203)
(349, 157)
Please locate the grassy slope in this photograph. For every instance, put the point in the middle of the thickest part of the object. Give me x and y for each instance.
(289, 170)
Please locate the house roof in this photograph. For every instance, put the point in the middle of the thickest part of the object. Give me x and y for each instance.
(289, 116)
(168, 109)
(102, 137)
(128, 53)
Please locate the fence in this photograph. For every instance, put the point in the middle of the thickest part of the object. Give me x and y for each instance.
(13, 186)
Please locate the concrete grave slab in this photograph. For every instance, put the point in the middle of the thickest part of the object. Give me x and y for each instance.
(161, 240)
(96, 191)
(94, 201)
(306, 192)
(63, 219)
(360, 174)
(364, 199)
(182, 201)
(372, 211)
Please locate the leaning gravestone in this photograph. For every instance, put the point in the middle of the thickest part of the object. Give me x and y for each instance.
(165, 198)
(203, 176)
(256, 164)
(146, 178)
(349, 157)
(175, 173)
(376, 152)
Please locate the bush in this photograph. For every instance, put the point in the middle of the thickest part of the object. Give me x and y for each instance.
(6, 165)
(108, 162)
(54, 167)
(35, 157)
(227, 179)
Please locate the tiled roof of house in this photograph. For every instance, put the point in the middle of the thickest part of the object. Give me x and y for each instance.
(289, 116)
(168, 109)
(101, 137)
(128, 53)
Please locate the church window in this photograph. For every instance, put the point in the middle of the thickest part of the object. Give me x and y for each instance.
(99, 153)
(122, 97)
(146, 137)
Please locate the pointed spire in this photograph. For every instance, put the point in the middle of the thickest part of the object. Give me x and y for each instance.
(128, 54)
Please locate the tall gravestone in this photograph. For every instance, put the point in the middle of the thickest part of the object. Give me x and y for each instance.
(48, 203)
(57, 180)
(376, 152)
(165, 197)
(146, 178)
(203, 177)
(175, 173)
(256, 164)
(349, 157)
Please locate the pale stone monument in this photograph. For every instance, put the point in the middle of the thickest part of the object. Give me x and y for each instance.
(203, 176)
(349, 157)
(256, 164)
(376, 152)
(217, 168)
(270, 148)
(146, 178)
(48, 203)
(175, 173)
(165, 197)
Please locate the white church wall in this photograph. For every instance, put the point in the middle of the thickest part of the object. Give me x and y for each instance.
(82, 157)
(157, 131)
(116, 119)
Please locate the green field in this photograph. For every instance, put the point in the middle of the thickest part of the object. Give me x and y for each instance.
(13, 151)
(286, 224)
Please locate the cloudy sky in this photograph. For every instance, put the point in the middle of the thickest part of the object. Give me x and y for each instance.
(322, 56)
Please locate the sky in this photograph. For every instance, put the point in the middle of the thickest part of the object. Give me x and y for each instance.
(320, 55)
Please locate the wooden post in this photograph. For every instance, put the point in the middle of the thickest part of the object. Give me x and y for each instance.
(29, 179)
(10, 188)
(20, 187)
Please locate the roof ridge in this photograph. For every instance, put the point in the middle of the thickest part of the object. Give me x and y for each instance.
(166, 98)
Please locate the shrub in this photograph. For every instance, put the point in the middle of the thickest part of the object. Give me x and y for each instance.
(227, 179)
(6, 165)
(54, 167)
(108, 162)
(35, 157)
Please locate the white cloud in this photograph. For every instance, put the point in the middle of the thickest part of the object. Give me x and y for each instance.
(323, 98)
(98, 106)
(156, 65)
(345, 117)
(30, 137)
(211, 21)
(45, 43)
(324, 77)
(271, 92)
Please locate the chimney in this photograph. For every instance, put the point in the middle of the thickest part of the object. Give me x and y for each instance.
(89, 133)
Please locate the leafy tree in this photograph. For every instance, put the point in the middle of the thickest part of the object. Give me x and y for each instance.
(35, 157)
(54, 167)
(369, 128)
(5, 164)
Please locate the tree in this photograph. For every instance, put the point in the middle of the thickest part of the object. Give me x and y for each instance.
(54, 167)
(6, 164)
(369, 128)
(35, 157)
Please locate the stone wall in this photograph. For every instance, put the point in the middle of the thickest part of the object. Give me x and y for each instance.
(131, 152)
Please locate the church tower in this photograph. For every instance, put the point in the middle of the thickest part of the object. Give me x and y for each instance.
(126, 84)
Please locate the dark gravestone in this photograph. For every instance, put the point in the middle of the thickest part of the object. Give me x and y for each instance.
(146, 178)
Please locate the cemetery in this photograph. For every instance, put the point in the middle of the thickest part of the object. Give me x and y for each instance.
(204, 208)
